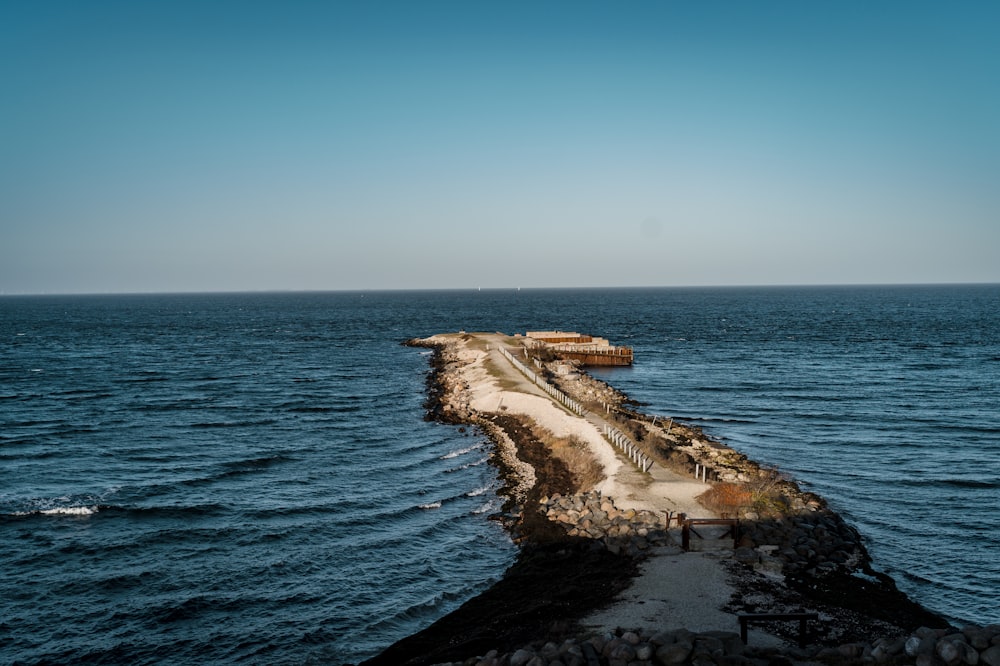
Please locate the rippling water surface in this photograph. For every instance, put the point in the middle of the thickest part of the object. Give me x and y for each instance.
(248, 477)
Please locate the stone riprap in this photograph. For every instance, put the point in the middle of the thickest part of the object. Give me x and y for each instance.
(969, 646)
(596, 517)
(806, 559)
(815, 544)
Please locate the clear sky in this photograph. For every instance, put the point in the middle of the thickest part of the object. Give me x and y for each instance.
(206, 146)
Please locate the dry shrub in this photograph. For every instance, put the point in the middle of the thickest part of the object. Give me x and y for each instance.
(761, 495)
(575, 454)
(585, 467)
(765, 489)
(728, 499)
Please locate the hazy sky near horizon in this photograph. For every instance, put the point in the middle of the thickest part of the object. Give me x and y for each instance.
(190, 146)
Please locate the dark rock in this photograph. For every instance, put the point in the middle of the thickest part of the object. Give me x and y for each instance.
(674, 653)
(990, 656)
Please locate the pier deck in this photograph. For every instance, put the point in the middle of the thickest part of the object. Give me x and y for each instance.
(584, 349)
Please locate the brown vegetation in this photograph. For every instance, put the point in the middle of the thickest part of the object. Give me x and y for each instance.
(760, 496)
(584, 469)
(726, 499)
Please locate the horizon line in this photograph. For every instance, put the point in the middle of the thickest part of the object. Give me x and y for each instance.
(357, 290)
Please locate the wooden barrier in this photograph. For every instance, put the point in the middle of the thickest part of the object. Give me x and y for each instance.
(628, 447)
(803, 619)
(687, 529)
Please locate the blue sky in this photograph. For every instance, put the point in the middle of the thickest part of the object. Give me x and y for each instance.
(189, 146)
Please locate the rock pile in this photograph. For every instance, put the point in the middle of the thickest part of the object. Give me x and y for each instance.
(448, 394)
(594, 516)
(969, 646)
(638, 647)
(811, 543)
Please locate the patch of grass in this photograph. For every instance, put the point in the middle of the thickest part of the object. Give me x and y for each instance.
(476, 343)
(504, 381)
(573, 452)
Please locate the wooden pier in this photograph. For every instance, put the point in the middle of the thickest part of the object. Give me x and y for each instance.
(584, 349)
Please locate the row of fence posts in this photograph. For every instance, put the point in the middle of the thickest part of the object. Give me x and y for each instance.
(569, 402)
(618, 438)
(613, 435)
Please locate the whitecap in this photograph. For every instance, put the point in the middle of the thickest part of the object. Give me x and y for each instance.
(477, 491)
(430, 505)
(70, 511)
(460, 452)
(475, 463)
(488, 506)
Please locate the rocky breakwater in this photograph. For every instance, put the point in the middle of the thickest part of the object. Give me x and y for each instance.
(794, 554)
(812, 544)
(971, 646)
(783, 530)
(633, 648)
(449, 401)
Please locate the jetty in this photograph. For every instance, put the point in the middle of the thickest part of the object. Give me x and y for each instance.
(584, 349)
(701, 559)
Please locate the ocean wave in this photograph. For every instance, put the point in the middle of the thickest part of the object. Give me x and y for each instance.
(478, 491)
(71, 511)
(196, 607)
(306, 404)
(178, 511)
(255, 464)
(59, 511)
(486, 507)
(110, 510)
(461, 452)
(419, 609)
(311, 409)
(233, 424)
(85, 394)
(304, 510)
(81, 504)
(153, 376)
(953, 483)
(474, 463)
(437, 504)
(220, 472)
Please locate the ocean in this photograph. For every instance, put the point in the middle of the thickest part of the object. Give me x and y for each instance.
(248, 478)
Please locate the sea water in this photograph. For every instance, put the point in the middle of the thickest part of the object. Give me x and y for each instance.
(249, 478)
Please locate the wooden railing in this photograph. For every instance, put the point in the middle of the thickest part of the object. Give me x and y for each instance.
(628, 447)
(687, 529)
(555, 393)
